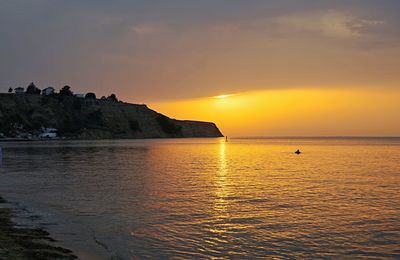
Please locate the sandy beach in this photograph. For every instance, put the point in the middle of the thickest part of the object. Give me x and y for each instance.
(22, 243)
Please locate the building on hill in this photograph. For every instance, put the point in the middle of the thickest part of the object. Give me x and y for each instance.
(48, 91)
(19, 90)
(80, 95)
(48, 133)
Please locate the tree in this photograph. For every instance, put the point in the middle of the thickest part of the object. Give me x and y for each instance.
(32, 89)
(134, 125)
(90, 95)
(10, 90)
(66, 91)
(95, 118)
(168, 126)
(112, 98)
(77, 104)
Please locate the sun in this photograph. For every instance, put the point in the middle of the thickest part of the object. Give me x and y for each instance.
(223, 96)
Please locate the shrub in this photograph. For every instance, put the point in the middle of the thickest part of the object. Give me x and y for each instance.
(112, 98)
(66, 91)
(32, 89)
(69, 125)
(95, 117)
(77, 104)
(168, 126)
(90, 95)
(134, 125)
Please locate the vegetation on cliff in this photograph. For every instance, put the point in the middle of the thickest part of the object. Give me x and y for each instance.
(87, 117)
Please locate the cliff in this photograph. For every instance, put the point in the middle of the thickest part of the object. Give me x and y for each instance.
(75, 117)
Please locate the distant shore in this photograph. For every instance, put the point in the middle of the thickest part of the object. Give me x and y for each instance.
(31, 139)
(59, 115)
(23, 243)
(5, 140)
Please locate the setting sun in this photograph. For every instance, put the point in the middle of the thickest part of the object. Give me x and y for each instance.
(223, 96)
(200, 129)
(308, 111)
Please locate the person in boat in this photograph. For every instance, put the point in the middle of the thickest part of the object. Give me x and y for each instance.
(297, 152)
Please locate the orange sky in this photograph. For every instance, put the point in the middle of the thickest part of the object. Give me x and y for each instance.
(295, 112)
(296, 67)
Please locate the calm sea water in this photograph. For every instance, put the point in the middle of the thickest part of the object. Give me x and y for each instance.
(192, 198)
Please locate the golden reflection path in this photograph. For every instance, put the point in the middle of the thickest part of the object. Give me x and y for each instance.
(221, 180)
(221, 203)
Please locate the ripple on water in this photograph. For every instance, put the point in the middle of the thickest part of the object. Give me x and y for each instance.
(209, 199)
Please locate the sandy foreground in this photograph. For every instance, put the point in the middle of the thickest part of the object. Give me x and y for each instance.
(23, 243)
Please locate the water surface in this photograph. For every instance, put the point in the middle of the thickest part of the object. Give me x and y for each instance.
(247, 198)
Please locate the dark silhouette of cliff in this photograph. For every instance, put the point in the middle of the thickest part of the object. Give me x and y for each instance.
(91, 118)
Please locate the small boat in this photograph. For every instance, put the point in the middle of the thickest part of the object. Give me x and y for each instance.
(297, 152)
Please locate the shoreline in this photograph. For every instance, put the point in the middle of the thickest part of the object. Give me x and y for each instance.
(12, 140)
(27, 243)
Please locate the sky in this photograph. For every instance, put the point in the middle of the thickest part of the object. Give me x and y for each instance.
(292, 67)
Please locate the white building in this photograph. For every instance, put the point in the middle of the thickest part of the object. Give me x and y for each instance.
(80, 95)
(48, 133)
(48, 91)
(19, 90)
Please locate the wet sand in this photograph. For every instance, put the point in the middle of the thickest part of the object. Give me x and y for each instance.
(23, 243)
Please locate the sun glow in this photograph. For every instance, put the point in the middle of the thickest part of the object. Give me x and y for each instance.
(223, 96)
(294, 112)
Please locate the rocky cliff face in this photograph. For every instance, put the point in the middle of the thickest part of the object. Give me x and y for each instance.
(92, 118)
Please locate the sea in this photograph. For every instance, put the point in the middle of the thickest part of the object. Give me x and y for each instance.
(247, 198)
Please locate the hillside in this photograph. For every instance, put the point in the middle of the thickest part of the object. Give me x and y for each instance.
(82, 118)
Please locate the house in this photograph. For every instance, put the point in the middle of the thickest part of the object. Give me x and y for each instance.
(48, 91)
(80, 95)
(48, 133)
(19, 90)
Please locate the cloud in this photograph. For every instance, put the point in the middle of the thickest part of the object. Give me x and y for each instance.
(330, 23)
(327, 24)
(149, 28)
(198, 48)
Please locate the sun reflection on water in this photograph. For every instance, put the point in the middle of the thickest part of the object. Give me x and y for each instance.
(221, 201)
(197, 198)
(221, 180)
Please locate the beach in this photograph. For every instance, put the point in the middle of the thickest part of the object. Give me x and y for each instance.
(23, 243)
